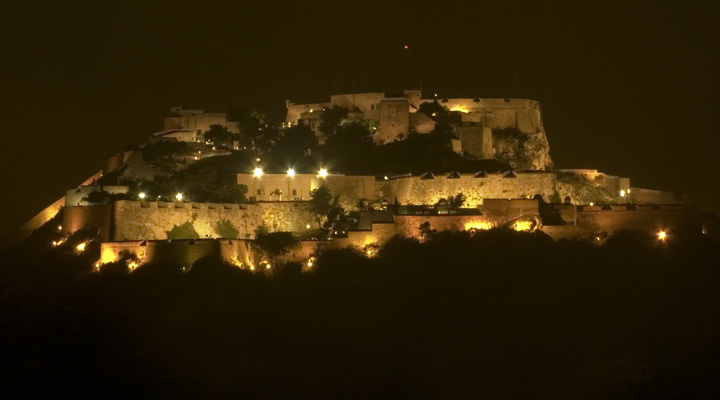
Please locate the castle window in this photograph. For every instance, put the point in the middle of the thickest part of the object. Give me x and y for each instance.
(374, 106)
(294, 192)
(259, 192)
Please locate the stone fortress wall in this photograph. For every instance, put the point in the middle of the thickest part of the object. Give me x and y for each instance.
(276, 187)
(133, 220)
(588, 222)
(422, 190)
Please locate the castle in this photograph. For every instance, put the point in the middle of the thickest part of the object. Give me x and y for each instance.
(530, 196)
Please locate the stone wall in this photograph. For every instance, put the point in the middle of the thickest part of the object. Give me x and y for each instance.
(88, 217)
(152, 220)
(669, 218)
(350, 188)
(394, 120)
(415, 190)
(476, 140)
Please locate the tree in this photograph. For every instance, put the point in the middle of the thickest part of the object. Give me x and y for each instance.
(184, 231)
(276, 244)
(320, 203)
(219, 135)
(456, 201)
(225, 229)
(433, 109)
(331, 118)
(250, 124)
(293, 147)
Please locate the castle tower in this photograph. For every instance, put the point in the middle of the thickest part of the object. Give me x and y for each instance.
(394, 119)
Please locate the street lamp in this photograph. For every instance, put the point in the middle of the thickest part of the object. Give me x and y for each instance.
(323, 173)
(141, 195)
(257, 172)
(291, 172)
(179, 197)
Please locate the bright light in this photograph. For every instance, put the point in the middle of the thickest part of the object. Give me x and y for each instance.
(307, 226)
(622, 193)
(386, 178)
(522, 226)
(81, 247)
(662, 235)
(323, 173)
(179, 197)
(257, 172)
(59, 227)
(291, 172)
(481, 225)
(132, 264)
(460, 109)
(141, 195)
(592, 204)
(267, 266)
(406, 47)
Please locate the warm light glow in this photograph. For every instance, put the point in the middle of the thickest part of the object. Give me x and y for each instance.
(592, 204)
(267, 266)
(622, 193)
(132, 264)
(179, 197)
(459, 108)
(406, 47)
(323, 173)
(291, 172)
(252, 268)
(81, 247)
(481, 225)
(307, 226)
(59, 228)
(386, 178)
(141, 195)
(522, 226)
(662, 235)
(257, 172)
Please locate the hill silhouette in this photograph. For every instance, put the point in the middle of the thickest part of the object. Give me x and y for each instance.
(497, 314)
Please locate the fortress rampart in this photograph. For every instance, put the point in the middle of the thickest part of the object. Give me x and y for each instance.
(589, 222)
(153, 220)
(475, 187)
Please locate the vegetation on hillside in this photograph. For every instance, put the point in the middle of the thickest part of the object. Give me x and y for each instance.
(505, 314)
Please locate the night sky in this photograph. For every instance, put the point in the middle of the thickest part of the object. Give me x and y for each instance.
(629, 89)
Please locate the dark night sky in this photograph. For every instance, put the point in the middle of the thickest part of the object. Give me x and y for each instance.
(629, 89)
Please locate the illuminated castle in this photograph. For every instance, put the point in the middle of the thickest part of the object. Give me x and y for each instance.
(583, 204)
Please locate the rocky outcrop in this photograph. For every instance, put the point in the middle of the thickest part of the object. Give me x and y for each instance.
(523, 151)
(518, 135)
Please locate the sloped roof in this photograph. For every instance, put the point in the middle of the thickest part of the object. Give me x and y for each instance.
(170, 131)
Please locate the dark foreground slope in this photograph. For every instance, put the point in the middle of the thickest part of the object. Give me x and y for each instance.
(497, 315)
